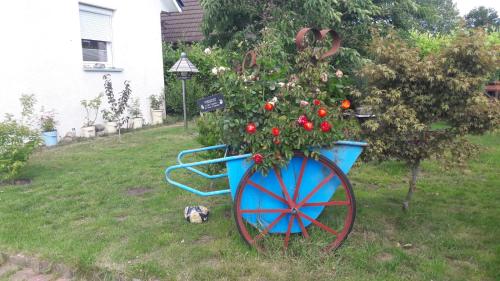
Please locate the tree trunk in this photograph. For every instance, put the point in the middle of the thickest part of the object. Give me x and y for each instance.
(415, 169)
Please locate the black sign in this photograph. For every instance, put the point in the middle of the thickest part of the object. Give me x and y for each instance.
(211, 103)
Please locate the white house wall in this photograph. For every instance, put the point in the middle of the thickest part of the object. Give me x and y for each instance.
(41, 54)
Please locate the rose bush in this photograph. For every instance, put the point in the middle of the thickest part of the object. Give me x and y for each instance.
(275, 107)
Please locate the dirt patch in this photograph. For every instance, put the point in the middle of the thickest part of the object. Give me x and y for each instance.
(138, 191)
(21, 268)
(370, 236)
(204, 239)
(211, 263)
(16, 182)
(121, 218)
(384, 257)
(371, 186)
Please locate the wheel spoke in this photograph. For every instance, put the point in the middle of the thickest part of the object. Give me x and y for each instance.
(288, 231)
(299, 180)
(259, 187)
(318, 187)
(320, 225)
(268, 228)
(302, 227)
(260, 211)
(331, 203)
(283, 187)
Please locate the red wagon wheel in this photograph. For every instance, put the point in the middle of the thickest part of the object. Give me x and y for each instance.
(308, 204)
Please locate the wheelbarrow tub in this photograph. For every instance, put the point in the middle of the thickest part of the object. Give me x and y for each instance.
(343, 154)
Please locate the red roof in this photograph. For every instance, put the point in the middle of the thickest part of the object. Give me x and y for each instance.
(185, 26)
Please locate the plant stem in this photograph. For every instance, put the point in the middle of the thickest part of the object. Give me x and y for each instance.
(415, 169)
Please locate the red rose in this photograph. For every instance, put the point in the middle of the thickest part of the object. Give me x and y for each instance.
(269, 106)
(322, 112)
(275, 131)
(258, 158)
(308, 126)
(316, 102)
(325, 126)
(251, 128)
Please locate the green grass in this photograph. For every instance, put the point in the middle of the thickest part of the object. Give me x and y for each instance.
(77, 211)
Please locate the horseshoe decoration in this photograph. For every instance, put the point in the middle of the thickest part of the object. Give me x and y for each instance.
(249, 60)
(318, 36)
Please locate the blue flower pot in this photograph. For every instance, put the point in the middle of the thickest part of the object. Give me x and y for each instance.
(49, 138)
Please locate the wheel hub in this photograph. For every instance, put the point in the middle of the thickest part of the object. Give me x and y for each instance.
(294, 211)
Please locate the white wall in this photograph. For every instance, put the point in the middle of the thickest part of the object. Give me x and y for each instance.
(40, 53)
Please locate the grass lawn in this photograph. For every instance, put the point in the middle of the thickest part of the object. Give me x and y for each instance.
(103, 207)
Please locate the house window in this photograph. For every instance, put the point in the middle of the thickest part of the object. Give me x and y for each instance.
(96, 35)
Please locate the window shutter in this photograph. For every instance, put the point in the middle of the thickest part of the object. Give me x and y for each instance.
(94, 24)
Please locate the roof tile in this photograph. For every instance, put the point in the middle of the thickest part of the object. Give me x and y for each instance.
(185, 26)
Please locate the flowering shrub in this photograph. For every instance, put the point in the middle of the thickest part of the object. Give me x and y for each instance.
(275, 107)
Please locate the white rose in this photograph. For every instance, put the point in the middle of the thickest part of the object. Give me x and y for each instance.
(215, 71)
(339, 73)
(281, 84)
(207, 51)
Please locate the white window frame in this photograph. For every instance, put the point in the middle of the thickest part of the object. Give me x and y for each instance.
(83, 7)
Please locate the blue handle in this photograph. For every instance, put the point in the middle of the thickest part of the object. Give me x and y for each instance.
(191, 151)
(207, 162)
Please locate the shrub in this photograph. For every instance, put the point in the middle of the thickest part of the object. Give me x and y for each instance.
(209, 129)
(410, 93)
(277, 107)
(200, 85)
(17, 143)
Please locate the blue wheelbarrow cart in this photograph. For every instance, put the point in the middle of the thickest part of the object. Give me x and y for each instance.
(309, 201)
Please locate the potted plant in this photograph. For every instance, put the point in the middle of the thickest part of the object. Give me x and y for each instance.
(134, 110)
(48, 127)
(91, 110)
(110, 126)
(156, 102)
(117, 105)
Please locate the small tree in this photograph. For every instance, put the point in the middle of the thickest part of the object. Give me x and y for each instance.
(117, 105)
(410, 94)
(28, 116)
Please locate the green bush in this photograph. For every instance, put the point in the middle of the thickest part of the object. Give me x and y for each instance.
(17, 143)
(209, 129)
(202, 84)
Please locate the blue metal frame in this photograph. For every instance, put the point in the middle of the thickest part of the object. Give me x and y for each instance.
(342, 159)
(190, 167)
(192, 151)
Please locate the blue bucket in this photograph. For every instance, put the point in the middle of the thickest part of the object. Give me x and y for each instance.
(49, 138)
(343, 154)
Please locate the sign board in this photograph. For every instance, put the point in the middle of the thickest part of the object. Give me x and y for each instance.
(211, 103)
